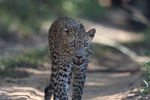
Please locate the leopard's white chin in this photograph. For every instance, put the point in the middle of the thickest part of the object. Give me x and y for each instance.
(78, 61)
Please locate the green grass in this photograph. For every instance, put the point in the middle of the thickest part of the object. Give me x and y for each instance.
(147, 35)
(26, 17)
(146, 81)
(36, 58)
(31, 59)
(99, 50)
(146, 65)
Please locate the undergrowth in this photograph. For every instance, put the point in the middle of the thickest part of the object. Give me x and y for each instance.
(34, 59)
(146, 81)
(99, 50)
(146, 65)
(31, 59)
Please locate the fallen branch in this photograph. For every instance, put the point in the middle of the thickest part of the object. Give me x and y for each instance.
(125, 50)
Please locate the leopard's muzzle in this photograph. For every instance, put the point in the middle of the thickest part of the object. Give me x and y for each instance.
(78, 60)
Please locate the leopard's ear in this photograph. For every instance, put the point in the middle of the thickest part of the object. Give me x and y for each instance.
(91, 33)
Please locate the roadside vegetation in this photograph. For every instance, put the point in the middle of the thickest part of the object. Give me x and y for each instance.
(30, 59)
(146, 75)
(23, 18)
(146, 66)
(36, 58)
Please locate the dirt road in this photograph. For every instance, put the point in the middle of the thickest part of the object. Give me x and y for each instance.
(99, 85)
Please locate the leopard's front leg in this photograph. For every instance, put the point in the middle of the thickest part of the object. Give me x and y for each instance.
(48, 92)
(79, 78)
(61, 91)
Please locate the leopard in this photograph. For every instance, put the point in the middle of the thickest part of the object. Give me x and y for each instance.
(70, 49)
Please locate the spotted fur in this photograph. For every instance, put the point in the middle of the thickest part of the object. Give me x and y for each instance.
(69, 45)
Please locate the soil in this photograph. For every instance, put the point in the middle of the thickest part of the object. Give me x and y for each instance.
(110, 77)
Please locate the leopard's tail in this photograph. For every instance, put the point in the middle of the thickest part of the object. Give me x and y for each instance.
(48, 92)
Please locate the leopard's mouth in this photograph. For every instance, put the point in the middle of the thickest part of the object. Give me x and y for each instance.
(78, 61)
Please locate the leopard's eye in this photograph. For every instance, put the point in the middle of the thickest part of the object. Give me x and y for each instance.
(67, 30)
(72, 43)
(86, 44)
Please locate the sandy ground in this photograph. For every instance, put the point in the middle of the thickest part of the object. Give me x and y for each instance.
(101, 83)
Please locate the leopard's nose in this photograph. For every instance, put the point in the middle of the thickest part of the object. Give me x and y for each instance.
(78, 56)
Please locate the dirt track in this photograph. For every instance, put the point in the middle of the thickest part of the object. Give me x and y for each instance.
(101, 84)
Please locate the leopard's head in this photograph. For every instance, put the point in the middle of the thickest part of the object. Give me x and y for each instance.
(78, 39)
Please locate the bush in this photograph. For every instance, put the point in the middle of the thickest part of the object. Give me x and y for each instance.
(26, 16)
(146, 81)
(31, 59)
(90, 9)
(147, 35)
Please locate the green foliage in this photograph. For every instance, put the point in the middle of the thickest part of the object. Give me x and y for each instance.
(146, 65)
(31, 59)
(4, 32)
(147, 35)
(99, 50)
(90, 9)
(147, 53)
(96, 48)
(74, 8)
(146, 80)
(26, 16)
